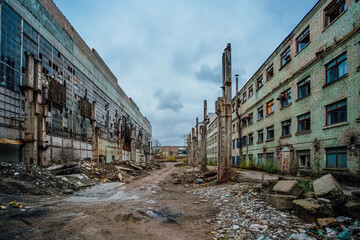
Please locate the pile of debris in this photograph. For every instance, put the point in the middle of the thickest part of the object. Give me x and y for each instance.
(244, 213)
(65, 178)
(194, 176)
(327, 206)
(18, 179)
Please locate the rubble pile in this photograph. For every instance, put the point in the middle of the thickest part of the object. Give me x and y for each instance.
(21, 179)
(194, 176)
(244, 213)
(65, 178)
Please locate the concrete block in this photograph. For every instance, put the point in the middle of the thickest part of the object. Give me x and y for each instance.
(67, 143)
(76, 144)
(309, 209)
(327, 187)
(57, 141)
(351, 209)
(290, 187)
(327, 222)
(282, 202)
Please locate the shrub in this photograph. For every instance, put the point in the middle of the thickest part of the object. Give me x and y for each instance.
(212, 163)
(171, 159)
(270, 168)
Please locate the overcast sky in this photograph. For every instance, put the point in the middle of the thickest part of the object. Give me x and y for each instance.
(166, 55)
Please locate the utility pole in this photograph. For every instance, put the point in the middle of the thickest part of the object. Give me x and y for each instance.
(223, 110)
(203, 140)
(238, 115)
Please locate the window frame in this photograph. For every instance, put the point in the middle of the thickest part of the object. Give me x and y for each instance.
(283, 100)
(306, 153)
(335, 109)
(268, 77)
(336, 66)
(271, 107)
(244, 98)
(251, 136)
(262, 135)
(304, 120)
(304, 34)
(251, 91)
(262, 112)
(271, 128)
(284, 55)
(337, 151)
(250, 119)
(333, 6)
(259, 80)
(284, 125)
(305, 82)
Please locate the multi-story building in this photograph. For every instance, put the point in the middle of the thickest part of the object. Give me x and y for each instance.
(176, 151)
(301, 109)
(212, 138)
(58, 99)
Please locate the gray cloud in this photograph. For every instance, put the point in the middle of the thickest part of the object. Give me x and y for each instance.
(209, 74)
(169, 100)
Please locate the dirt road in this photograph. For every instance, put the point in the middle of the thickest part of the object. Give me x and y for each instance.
(150, 207)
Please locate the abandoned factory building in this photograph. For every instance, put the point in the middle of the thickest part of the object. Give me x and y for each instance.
(58, 99)
(301, 109)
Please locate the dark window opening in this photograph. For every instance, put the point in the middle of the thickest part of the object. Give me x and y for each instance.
(260, 82)
(336, 112)
(251, 91)
(336, 157)
(286, 128)
(260, 113)
(251, 139)
(285, 57)
(304, 122)
(260, 136)
(270, 132)
(303, 88)
(333, 10)
(285, 98)
(303, 40)
(304, 158)
(269, 72)
(336, 68)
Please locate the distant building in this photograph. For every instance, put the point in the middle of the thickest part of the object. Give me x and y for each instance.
(176, 151)
(301, 109)
(212, 138)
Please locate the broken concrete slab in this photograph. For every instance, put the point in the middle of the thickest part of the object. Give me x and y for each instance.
(327, 222)
(290, 187)
(327, 187)
(77, 180)
(309, 209)
(282, 202)
(351, 209)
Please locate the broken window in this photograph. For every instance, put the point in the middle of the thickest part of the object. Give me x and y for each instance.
(85, 108)
(336, 157)
(269, 72)
(244, 97)
(260, 136)
(285, 57)
(260, 82)
(270, 107)
(244, 122)
(303, 40)
(286, 128)
(336, 112)
(250, 119)
(233, 141)
(260, 159)
(285, 98)
(57, 94)
(270, 133)
(260, 113)
(336, 68)
(251, 139)
(304, 122)
(303, 88)
(304, 158)
(270, 158)
(244, 140)
(333, 10)
(251, 91)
